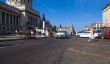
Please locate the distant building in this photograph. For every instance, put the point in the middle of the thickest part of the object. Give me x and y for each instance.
(95, 26)
(69, 29)
(106, 16)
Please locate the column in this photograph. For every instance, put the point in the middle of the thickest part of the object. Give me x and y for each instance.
(9, 19)
(15, 20)
(0, 17)
(0, 21)
(36, 23)
(18, 20)
(5, 18)
(12, 20)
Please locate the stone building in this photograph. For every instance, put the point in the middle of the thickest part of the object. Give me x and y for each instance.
(106, 16)
(68, 29)
(29, 16)
(17, 15)
(9, 19)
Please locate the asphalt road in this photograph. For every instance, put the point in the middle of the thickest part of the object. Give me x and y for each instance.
(40, 51)
(55, 51)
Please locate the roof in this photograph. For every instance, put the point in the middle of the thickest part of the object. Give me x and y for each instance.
(9, 8)
(106, 6)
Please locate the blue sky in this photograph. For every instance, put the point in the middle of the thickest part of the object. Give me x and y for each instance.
(67, 12)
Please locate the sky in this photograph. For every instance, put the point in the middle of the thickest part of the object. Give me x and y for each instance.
(67, 12)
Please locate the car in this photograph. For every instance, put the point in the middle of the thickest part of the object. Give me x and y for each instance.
(83, 34)
(61, 34)
(104, 35)
(86, 34)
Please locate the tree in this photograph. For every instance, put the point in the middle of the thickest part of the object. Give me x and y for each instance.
(60, 26)
(54, 28)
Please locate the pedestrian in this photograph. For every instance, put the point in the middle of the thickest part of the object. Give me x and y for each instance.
(91, 35)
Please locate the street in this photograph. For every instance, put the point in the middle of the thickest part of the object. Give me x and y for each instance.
(55, 51)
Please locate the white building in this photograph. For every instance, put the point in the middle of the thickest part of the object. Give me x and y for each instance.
(68, 29)
(106, 16)
(9, 19)
(29, 17)
(20, 14)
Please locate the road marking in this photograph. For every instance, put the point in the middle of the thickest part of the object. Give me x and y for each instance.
(87, 53)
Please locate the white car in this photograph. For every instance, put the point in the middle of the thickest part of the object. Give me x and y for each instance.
(61, 34)
(83, 34)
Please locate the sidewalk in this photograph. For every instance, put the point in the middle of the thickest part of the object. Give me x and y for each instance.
(18, 37)
(12, 37)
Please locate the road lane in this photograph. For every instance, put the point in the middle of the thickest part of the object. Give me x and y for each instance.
(84, 52)
(45, 51)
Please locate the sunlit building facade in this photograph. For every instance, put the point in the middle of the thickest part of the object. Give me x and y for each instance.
(9, 19)
(69, 29)
(17, 15)
(106, 16)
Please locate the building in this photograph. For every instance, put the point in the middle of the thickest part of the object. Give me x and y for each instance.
(20, 15)
(29, 16)
(69, 29)
(9, 19)
(106, 15)
(95, 26)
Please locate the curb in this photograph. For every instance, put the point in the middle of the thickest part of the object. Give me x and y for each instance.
(23, 39)
(12, 39)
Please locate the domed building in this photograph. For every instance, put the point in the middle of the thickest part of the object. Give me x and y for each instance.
(17, 15)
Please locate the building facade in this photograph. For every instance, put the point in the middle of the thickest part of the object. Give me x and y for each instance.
(106, 16)
(9, 19)
(29, 16)
(68, 29)
(18, 15)
(96, 26)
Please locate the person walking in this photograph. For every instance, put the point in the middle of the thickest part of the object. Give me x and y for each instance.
(91, 35)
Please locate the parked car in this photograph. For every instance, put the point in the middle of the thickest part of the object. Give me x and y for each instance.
(86, 34)
(104, 35)
(83, 34)
(61, 34)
